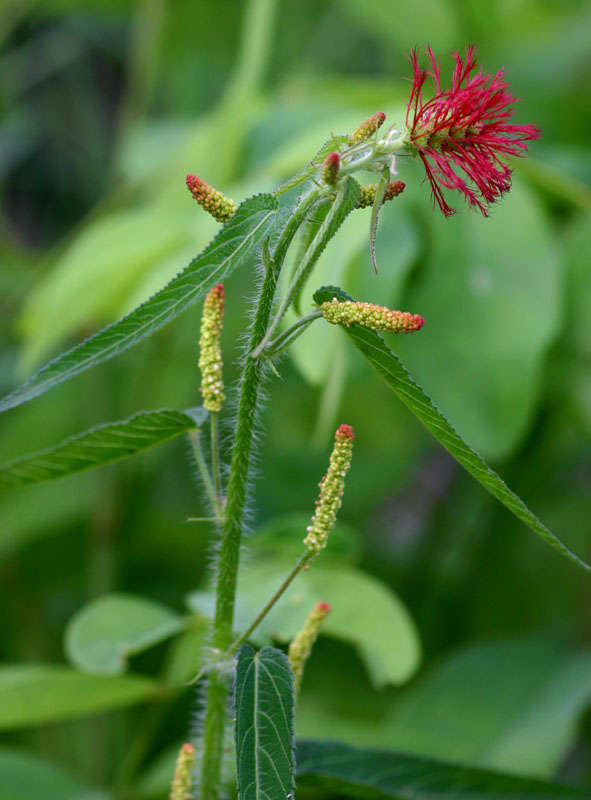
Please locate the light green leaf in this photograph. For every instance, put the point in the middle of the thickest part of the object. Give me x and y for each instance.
(25, 775)
(32, 694)
(102, 635)
(344, 771)
(491, 313)
(392, 370)
(235, 244)
(364, 612)
(98, 446)
(265, 741)
(509, 705)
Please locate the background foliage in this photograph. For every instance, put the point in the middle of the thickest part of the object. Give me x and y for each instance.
(484, 654)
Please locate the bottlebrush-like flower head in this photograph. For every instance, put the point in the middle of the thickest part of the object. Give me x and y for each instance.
(212, 200)
(210, 354)
(463, 133)
(303, 642)
(370, 315)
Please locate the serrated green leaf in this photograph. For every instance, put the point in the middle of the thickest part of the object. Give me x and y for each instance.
(392, 370)
(98, 446)
(32, 694)
(234, 244)
(23, 774)
(101, 636)
(339, 769)
(264, 703)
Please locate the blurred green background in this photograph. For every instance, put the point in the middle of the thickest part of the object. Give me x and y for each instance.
(459, 634)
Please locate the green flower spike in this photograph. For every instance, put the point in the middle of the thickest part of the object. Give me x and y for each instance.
(370, 315)
(180, 788)
(210, 354)
(368, 193)
(330, 168)
(369, 126)
(303, 642)
(331, 490)
(213, 201)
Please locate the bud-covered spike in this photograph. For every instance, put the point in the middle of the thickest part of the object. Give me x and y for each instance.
(368, 193)
(182, 782)
(210, 354)
(370, 315)
(331, 490)
(303, 642)
(330, 168)
(213, 201)
(369, 126)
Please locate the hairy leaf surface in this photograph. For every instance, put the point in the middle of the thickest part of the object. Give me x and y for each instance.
(235, 243)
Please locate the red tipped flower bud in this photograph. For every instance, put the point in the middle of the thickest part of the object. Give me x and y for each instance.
(183, 779)
(370, 315)
(368, 193)
(213, 201)
(330, 168)
(365, 130)
(331, 490)
(303, 642)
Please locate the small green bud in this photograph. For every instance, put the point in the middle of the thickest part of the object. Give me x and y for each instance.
(303, 642)
(370, 315)
(182, 782)
(210, 353)
(368, 193)
(331, 490)
(213, 201)
(369, 126)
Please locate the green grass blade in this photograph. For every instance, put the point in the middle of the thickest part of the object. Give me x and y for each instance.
(344, 771)
(264, 703)
(235, 243)
(392, 370)
(101, 445)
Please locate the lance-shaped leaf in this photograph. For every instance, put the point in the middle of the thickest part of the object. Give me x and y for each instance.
(264, 702)
(234, 244)
(101, 445)
(393, 371)
(344, 771)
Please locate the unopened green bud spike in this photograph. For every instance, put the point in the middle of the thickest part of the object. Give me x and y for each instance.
(370, 315)
(213, 201)
(330, 168)
(210, 353)
(331, 490)
(303, 642)
(369, 126)
(183, 774)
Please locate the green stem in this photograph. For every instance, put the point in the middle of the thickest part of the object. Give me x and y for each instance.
(215, 459)
(301, 564)
(229, 555)
(205, 476)
(290, 334)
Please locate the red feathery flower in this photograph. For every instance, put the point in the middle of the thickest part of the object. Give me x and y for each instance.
(465, 127)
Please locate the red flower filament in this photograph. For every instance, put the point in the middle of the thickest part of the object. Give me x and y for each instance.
(462, 133)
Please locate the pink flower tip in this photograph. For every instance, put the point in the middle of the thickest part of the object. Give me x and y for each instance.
(345, 432)
(322, 608)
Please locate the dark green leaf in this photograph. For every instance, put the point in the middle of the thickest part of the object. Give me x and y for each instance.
(354, 772)
(264, 703)
(234, 244)
(31, 694)
(101, 445)
(100, 637)
(393, 371)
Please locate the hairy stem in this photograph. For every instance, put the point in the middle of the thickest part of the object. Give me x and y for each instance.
(205, 476)
(229, 555)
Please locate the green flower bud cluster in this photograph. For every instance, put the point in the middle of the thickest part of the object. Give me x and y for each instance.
(213, 201)
(210, 354)
(183, 778)
(331, 490)
(330, 168)
(369, 126)
(368, 193)
(370, 315)
(303, 642)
